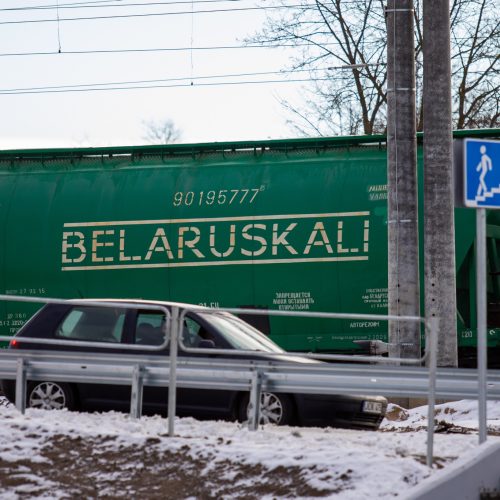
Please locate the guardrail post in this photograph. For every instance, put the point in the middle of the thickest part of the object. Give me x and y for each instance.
(136, 392)
(482, 343)
(255, 392)
(431, 344)
(175, 328)
(21, 385)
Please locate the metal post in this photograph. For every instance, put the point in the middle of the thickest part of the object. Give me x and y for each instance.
(175, 328)
(481, 296)
(136, 392)
(439, 227)
(21, 385)
(403, 264)
(432, 326)
(254, 417)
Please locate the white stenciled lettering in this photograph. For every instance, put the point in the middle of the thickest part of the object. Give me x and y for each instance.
(96, 244)
(340, 231)
(364, 324)
(191, 244)
(232, 240)
(293, 301)
(319, 229)
(79, 244)
(122, 256)
(280, 239)
(156, 246)
(219, 241)
(366, 235)
(377, 187)
(254, 237)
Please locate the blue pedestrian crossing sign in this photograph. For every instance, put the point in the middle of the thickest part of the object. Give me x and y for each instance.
(481, 173)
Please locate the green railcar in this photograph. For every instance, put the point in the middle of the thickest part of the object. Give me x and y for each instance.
(295, 225)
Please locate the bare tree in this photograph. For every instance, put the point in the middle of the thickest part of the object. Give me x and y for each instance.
(343, 46)
(161, 132)
(332, 35)
(476, 63)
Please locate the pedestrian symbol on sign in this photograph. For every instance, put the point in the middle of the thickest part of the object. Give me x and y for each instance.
(483, 166)
(482, 173)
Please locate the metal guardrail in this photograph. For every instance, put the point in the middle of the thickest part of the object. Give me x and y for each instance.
(255, 376)
(224, 374)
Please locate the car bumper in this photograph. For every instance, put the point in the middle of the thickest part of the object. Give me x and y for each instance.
(347, 411)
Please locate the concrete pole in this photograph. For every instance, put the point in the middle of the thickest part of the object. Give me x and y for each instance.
(403, 268)
(439, 227)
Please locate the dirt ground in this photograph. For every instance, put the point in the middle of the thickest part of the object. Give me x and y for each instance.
(78, 468)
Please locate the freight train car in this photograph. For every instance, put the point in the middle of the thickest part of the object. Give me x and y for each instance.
(295, 225)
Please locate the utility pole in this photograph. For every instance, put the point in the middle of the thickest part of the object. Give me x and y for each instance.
(439, 227)
(402, 218)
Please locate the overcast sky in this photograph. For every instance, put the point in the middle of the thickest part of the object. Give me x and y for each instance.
(115, 117)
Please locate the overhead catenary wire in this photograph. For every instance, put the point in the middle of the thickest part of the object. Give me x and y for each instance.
(175, 85)
(263, 45)
(108, 4)
(156, 14)
(58, 28)
(164, 49)
(126, 84)
(51, 6)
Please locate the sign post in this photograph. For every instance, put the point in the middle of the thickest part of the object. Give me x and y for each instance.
(481, 191)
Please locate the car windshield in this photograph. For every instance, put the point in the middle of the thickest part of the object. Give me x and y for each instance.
(239, 334)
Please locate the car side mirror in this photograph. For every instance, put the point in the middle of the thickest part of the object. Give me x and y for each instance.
(206, 344)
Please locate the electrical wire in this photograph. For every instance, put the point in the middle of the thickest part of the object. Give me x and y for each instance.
(52, 6)
(165, 80)
(189, 81)
(108, 5)
(176, 85)
(58, 29)
(156, 14)
(165, 49)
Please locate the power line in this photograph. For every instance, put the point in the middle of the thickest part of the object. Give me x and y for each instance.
(107, 5)
(53, 6)
(164, 80)
(187, 78)
(267, 46)
(144, 84)
(156, 14)
(163, 49)
(177, 85)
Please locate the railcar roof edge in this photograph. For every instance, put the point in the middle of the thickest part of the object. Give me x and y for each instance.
(213, 147)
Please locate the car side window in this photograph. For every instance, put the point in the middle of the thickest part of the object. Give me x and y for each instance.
(193, 333)
(149, 328)
(95, 324)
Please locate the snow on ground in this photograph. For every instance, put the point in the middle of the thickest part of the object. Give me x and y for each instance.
(460, 414)
(47, 454)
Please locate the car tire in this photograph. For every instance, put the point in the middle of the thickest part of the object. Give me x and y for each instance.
(277, 409)
(50, 396)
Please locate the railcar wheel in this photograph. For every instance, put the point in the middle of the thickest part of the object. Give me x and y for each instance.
(50, 396)
(275, 409)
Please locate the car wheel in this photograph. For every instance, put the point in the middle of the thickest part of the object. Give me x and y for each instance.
(50, 396)
(275, 409)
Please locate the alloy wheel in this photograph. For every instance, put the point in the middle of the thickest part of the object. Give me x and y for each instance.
(271, 409)
(47, 396)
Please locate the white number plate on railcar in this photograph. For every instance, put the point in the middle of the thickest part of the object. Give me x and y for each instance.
(372, 407)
